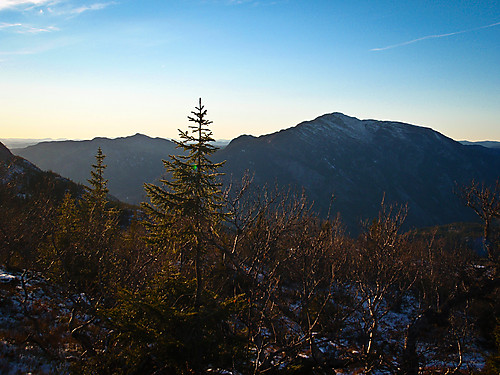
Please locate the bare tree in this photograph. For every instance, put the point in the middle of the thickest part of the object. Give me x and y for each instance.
(485, 201)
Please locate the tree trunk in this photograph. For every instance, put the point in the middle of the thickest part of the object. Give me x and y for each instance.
(199, 283)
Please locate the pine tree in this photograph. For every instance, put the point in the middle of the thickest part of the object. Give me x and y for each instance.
(100, 227)
(186, 210)
(176, 324)
(94, 197)
(98, 184)
(80, 251)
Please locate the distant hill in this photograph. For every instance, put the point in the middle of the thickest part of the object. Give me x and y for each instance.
(24, 179)
(130, 161)
(22, 142)
(360, 161)
(489, 144)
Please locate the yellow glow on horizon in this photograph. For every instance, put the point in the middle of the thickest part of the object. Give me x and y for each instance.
(75, 110)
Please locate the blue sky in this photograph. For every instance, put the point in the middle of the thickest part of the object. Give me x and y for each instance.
(81, 69)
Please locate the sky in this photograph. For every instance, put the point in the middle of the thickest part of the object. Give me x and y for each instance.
(81, 69)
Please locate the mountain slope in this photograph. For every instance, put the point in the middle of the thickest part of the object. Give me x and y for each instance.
(488, 144)
(360, 162)
(5, 154)
(24, 180)
(130, 161)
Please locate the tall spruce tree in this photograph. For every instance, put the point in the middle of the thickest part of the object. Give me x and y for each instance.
(95, 194)
(81, 247)
(185, 210)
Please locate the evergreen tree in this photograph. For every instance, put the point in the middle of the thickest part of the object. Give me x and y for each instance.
(176, 324)
(95, 194)
(81, 247)
(186, 210)
(100, 225)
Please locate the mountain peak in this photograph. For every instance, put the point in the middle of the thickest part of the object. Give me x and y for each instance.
(338, 115)
(334, 123)
(340, 126)
(138, 135)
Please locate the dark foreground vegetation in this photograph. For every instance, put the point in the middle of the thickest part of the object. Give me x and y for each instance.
(244, 280)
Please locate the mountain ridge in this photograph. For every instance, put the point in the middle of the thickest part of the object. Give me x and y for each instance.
(130, 161)
(359, 162)
(362, 161)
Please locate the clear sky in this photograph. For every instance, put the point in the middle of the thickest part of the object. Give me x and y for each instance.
(80, 69)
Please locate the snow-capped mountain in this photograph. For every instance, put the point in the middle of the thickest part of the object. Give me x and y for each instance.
(358, 161)
(361, 161)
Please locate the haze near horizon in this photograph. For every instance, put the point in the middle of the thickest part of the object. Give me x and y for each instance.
(82, 69)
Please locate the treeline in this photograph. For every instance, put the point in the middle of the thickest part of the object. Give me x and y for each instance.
(247, 280)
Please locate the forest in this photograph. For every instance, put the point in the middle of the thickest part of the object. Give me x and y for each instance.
(243, 279)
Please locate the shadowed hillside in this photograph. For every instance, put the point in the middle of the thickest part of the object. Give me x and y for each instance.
(358, 161)
(131, 161)
(361, 161)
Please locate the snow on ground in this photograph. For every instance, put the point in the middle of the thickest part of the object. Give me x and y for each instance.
(34, 338)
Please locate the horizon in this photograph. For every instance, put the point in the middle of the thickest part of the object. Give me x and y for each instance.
(220, 140)
(40, 140)
(86, 69)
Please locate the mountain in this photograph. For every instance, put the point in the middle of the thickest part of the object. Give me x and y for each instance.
(24, 179)
(358, 161)
(16, 172)
(362, 161)
(221, 143)
(130, 161)
(489, 144)
(22, 142)
(5, 154)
